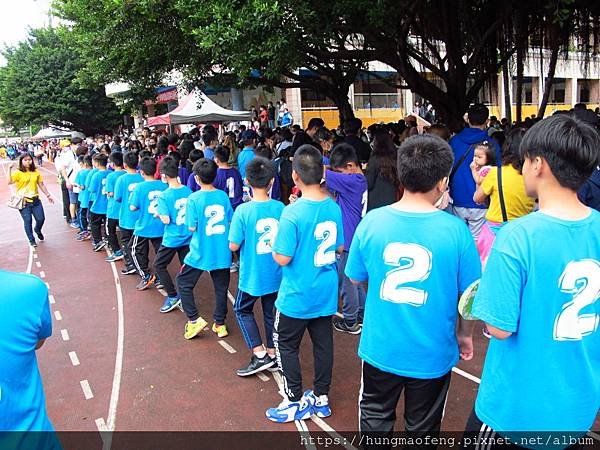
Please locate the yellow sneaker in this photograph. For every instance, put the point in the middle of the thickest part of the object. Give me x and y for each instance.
(193, 329)
(221, 330)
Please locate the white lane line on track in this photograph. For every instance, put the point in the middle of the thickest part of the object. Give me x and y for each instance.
(226, 346)
(87, 390)
(47, 285)
(57, 315)
(262, 376)
(42, 274)
(30, 260)
(230, 297)
(163, 292)
(35, 256)
(101, 425)
(466, 375)
(116, 387)
(334, 434)
(51, 299)
(65, 335)
(38, 264)
(74, 358)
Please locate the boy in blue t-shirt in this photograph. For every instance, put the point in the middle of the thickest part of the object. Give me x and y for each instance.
(208, 215)
(539, 297)
(309, 238)
(99, 201)
(176, 239)
(148, 227)
(228, 179)
(83, 197)
(253, 230)
(347, 183)
(113, 207)
(417, 260)
(127, 218)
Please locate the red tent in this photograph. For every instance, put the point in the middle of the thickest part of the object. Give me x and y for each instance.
(165, 119)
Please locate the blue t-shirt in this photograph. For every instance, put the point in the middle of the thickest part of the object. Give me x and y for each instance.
(172, 203)
(24, 320)
(87, 196)
(210, 213)
(208, 153)
(310, 232)
(230, 182)
(80, 181)
(145, 198)
(417, 265)
(541, 283)
(98, 192)
(462, 184)
(113, 207)
(123, 189)
(254, 227)
(244, 157)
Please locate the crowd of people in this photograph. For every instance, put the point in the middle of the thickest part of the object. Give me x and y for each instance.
(398, 224)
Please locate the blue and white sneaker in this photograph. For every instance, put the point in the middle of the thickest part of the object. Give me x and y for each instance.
(170, 304)
(288, 411)
(116, 256)
(320, 404)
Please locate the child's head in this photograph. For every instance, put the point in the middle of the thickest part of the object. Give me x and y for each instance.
(424, 161)
(80, 161)
(100, 159)
(169, 167)
(195, 155)
(222, 154)
(87, 161)
(148, 166)
(343, 158)
(260, 173)
(484, 154)
(130, 160)
(176, 156)
(307, 165)
(116, 159)
(210, 139)
(559, 147)
(263, 151)
(205, 171)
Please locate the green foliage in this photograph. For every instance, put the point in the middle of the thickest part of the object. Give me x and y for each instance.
(38, 86)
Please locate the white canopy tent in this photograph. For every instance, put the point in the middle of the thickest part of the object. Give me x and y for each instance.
(52, 133)
(197, 107)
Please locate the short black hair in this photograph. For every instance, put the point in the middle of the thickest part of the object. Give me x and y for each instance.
(145, 154)
(308, 164)
(172, 139)
(423, 160)
(195, 155)
(263, 151)
(352, 126)
(260, 172)
(208, 137)
(478, 114)
(206, 170)
(148, 166)
(222, 153)
(569, 146)
(315, 122)
(323, 134)
(101, 159)
(116, 158)
(341, 155)
(87, 160)
(131, 159)
(169, 167)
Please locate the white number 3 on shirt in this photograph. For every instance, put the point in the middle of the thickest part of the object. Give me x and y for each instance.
(327, 233)
(414, 264)
(581, 279)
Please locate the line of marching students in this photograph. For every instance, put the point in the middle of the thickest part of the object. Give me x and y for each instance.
(538, 295)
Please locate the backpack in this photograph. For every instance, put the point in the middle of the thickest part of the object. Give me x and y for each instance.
(283, 168)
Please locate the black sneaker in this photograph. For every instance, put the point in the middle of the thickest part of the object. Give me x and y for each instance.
(256, 365)
(40, 236)
(346, 327)
(128, 270)
(158, 284)
(99, 246)
(33, 243)
(275, 366)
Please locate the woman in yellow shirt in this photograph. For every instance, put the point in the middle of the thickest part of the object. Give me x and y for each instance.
(28, 181)
(516, 201)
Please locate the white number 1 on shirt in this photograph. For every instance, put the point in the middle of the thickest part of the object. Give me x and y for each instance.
(414, 264)
(215, 214)
(326, 232)
(581, 279)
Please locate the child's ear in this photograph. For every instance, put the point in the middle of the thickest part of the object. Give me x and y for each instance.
(295, 177)
(197, 179)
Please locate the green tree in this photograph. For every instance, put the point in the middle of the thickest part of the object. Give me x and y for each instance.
(38, 86)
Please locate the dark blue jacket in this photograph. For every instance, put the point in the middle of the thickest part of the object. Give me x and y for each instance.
(589, 193)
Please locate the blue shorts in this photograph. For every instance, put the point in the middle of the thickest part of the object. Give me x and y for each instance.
(73, 197)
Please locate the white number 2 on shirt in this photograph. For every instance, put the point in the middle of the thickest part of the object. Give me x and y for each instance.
(581, 279)
(326, 232)
(153, 205)
(268, 227)
(180, 208)
(414, 264)
(215, 214)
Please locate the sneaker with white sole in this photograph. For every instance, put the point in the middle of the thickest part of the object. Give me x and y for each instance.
(99, 246)
(116, 256)
(170, 304)
(256, 365)
(288, 411)
(320, 404)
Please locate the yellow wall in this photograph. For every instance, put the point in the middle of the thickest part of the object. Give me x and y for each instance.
(368, 116)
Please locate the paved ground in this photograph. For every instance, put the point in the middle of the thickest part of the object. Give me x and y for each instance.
(115, 363)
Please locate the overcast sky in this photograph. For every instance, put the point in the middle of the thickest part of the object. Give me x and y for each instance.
(17, 16)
